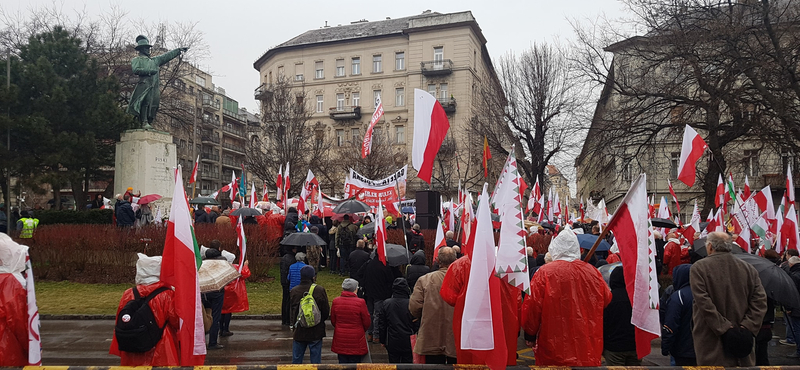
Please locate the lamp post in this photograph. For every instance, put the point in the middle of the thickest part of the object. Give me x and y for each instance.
(8, 144)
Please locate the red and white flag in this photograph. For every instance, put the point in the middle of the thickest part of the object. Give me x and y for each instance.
(430, 128)
(380, 234)
(692, 149)
(440, 240)
(366, 145)
(309, 185)
(34, 337)
(511, 261)
(320, 208)
(279, 184)
(789, 230)
(632, 229)
(287, 184)
(764, 200)
(663, 209)
(789, 185)
(241, 241)
(180, 262)
(232, 187)
(719, 197)
(746, 187)
(451, 216)
(467, 221)
(533, 199)
(693, 226)
(253, 196)
(483, 312)
(674, 197)
(194, 170)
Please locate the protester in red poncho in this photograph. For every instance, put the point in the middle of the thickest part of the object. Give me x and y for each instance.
(13, 304)
(235, 300)
(165, 353)
(565, 309)
(674, 253)
(454, 292)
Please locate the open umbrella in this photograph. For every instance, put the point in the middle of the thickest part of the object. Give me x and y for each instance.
(777, 283)
(302, 239)
(587, 241)
(408, 209)
(340, 217)
(396, 255)
(605, 270)
(246, 212)
(215, 274)
(351, 206)
(204, 201)
(663, 222)
(144, 199)
(368, 229)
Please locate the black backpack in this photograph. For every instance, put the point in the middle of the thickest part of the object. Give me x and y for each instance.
(136, 329)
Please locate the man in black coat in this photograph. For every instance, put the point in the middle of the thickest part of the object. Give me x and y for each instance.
(287, 260)
(358, 258)
(377, 280)
(619, 339)
(125, 215)
(416, 268)
(396, 324)
(214, 299)
(290, 225)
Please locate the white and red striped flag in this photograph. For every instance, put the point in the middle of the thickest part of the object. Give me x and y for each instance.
(764, 200)
(719, 196)
(194, 170)
(692, 149)
(694, 224)
(279, 184)
(746, 187)
(451, 217)
(789, 229)
(430, 128)
(34, 336)
(533, 199)
(632, 230)
(253, 196)
(789, 185)
(233, 186)
(674, 197)
(287, 184)
(380, 234)
(366, 145)
(180, 262)
(266, 193)
(440, 240)
(511, 261)
(241, 241)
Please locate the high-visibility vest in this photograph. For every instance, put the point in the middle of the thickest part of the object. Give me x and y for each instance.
(28, 225)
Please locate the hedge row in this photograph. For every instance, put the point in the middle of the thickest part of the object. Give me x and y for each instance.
(94, 216)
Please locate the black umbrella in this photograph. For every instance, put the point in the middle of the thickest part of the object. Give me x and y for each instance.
(663, 222)
(204, 201)
(246, 212)
(368, 229)
(699, 247)
(396, 255)
(777, 283)
(302, 239)
(351, 206)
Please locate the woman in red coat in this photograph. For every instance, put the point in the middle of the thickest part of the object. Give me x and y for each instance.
(165, 353)
(350, 320)
(235, 300)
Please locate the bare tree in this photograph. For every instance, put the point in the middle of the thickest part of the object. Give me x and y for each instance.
(384, 158)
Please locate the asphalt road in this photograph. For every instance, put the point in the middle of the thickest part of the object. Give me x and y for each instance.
(86, 342)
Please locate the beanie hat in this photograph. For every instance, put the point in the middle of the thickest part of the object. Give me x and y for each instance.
(307, 273)
(794, 260)
(350, 285)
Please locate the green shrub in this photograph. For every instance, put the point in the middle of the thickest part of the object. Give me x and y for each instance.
(95, 216)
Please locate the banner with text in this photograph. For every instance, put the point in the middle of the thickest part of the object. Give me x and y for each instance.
(388, 190)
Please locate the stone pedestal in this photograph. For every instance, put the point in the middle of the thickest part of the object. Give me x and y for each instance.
(146, 160)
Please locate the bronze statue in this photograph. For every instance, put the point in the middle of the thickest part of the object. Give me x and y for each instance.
(147, 94)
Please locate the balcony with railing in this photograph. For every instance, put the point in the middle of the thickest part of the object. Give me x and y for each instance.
(264, 91)
(233, 147)
(448, 104)
(209, 157)
(209, 139)
(345, 113)
(229, 162)
(211, 104)
(208, 175)
(234, 115)
(233, 131)
(777, 181)
(437, 67)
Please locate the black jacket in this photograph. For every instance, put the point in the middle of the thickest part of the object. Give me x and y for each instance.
(378, 279)
(323, 230)
(794, 273)
(290, 225)
(416, 268)
(313, 333)
(287, 260)
(125, 215)
(396, 323)
(618, 332)
(676, 333)
(415, 240)
(200, 216)
(357, 258)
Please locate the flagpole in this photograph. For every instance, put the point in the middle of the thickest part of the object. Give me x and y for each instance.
(600, 238)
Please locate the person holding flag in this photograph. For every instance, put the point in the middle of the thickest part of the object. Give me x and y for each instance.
(19, 316)
(236, 291)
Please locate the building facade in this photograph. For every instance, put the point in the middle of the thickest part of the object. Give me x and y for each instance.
(344, 69)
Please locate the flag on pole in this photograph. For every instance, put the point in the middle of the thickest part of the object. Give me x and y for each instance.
(764, 200)
(241, 241)
(287, 184)
(380, 234)
(483, 313)
(632, 229)
(487, 155)
(719, 198)
(761, 227)
(366, 145)
(451, 216)
(34, 337)
(467, 221)
(243, 185)
(663, 209)
(440, 240)
(266, 193)
(533, 199)
(674, 197)
(253, 196)
(730, 194)
(789, 185)
(746, 187)
(789, 229)
(320, 211)
(694, 225)
(692, 149)
(180, 262)
(279, 184)
(194, 170)
(512, 259)
(430, 128)
(309, 185)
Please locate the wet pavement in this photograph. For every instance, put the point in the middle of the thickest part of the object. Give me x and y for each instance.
(86, 342)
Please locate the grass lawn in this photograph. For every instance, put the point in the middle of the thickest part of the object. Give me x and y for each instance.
(68, 298)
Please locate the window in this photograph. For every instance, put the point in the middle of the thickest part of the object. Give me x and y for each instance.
(400, 61)
(438, 58)
(787, 159)
(356, 99)
(319, 70)
(376, 95)
(200, 81)
(400, 134)
(339, 67)
(354, 135)
(750, 163)
(339, 101)
(298, 72)
(319, 137)
(320, 104)
(339, 137)
(432, 89)
(376, 64)
(443, 91)
(356, 63)
(674, 162)
(626, 172)
(399, 98)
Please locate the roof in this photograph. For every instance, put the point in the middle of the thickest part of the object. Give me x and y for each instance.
(365, 29)
(552, 170)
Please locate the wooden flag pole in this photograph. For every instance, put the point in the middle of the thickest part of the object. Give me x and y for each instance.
(600, 238)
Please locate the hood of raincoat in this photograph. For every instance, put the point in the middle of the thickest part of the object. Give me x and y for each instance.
(680, 276)
(12, 255)
(400, 288)
(418, 258)
(565, 246)
(148, 269)
(617, 279)
(230, 257)
(316, 220)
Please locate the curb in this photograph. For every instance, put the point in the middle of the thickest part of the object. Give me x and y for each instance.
(113, 317)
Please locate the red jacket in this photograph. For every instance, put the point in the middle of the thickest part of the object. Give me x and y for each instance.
(565, 310)
(165, 352)
(236, 293)
(350, 320)
(13, 322)
(674, 255)
(454, 292)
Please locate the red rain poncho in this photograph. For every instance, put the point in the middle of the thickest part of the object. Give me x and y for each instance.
(236, 293)
(165, 352)
(13, 322)
(454, 292)
(565, 310)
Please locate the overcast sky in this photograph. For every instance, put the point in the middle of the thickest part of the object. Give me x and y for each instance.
(238, 32)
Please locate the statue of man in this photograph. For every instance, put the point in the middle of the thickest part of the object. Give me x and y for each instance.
(147, 94)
